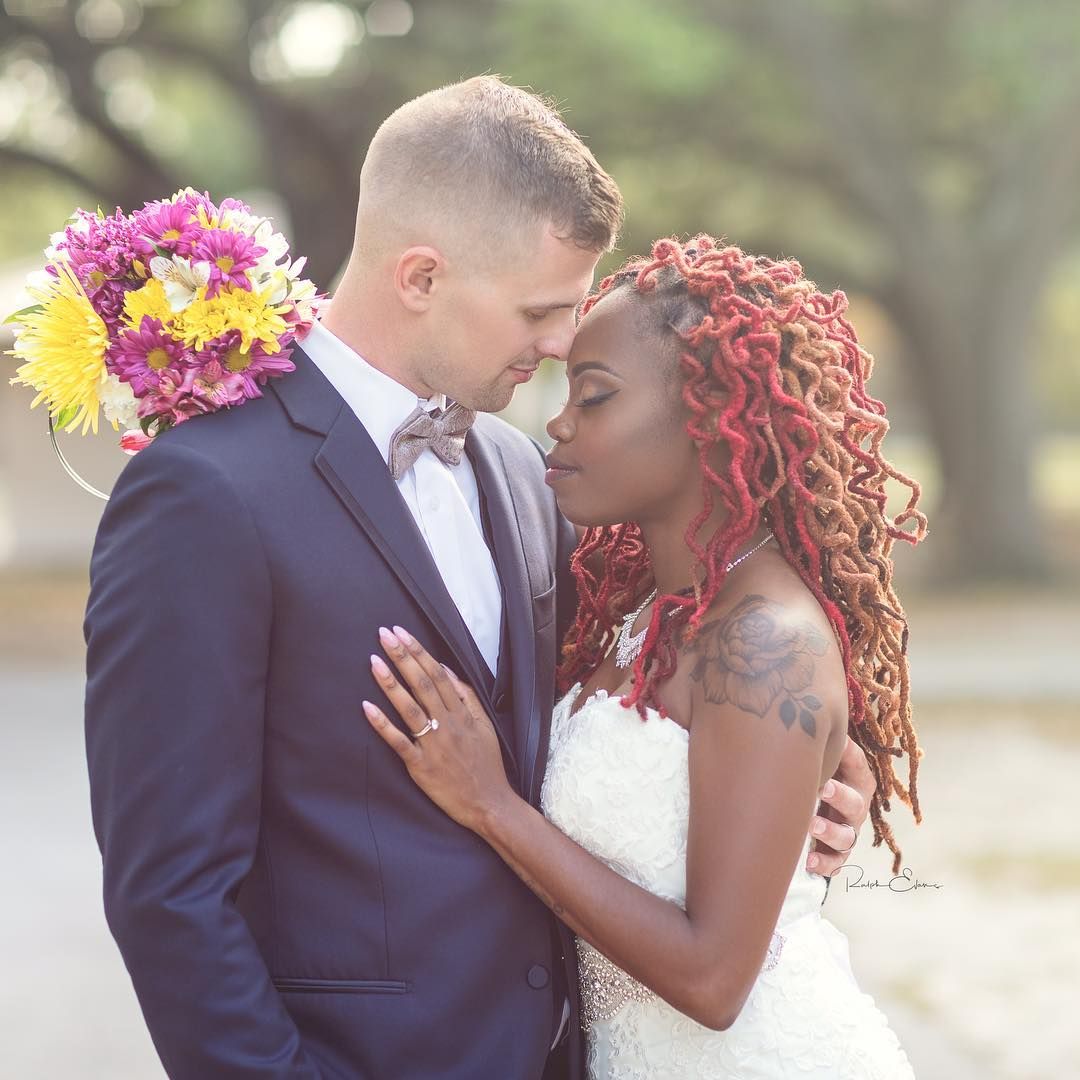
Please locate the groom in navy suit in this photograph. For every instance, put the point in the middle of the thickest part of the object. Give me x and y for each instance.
(288, 903)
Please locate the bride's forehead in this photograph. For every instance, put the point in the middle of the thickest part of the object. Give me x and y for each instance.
(621, 326)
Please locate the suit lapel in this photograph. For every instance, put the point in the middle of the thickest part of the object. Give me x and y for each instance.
(351, 464)
(491, 474)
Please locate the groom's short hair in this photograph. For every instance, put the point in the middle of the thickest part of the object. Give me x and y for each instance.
(480, 157)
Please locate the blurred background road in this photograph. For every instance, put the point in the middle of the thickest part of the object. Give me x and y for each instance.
(923, 155)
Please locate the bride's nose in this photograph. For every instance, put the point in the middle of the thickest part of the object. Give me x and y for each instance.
(559, 427)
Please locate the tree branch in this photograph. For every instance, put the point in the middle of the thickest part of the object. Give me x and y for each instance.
(74, 56)
(18, 155)
(871, 160)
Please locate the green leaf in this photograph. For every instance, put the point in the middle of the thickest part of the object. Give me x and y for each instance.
(65, 416)
(20, 315)
(787, 713)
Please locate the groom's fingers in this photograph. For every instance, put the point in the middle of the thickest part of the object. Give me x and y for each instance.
(847, 804)
(854, 769)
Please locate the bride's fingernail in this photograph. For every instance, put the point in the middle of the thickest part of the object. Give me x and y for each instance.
(813, 861)
(405, 636)
(379, 666)
(828, 789)
(386, 636)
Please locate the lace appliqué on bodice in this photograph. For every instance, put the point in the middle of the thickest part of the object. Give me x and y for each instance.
(620, 787)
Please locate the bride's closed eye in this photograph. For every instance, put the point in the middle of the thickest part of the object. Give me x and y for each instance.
(596, 399)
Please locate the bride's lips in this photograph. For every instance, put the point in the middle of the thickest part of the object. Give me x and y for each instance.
(557, 470)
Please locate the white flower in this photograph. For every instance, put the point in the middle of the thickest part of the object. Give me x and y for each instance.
(266, 273)
(234, 218)
(39, 280)
(181, 277)
(277, 247)
(119, 404)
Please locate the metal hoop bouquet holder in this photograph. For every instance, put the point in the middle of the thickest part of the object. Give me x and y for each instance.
(181, 308)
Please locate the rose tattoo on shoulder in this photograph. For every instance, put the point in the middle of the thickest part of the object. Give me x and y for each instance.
(753, 657)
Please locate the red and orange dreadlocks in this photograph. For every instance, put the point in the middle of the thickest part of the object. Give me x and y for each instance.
(773, 371)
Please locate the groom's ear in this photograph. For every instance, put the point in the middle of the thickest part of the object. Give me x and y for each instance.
(416, 274)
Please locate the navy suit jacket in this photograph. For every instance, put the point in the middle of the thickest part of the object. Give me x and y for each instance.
(287, 902)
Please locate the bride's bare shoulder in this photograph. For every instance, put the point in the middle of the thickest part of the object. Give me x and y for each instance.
(768, 650)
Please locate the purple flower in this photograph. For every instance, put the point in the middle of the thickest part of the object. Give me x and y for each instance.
(147, 356)
(100, 253)
(165, 226)
(230, 254)
(252, 368)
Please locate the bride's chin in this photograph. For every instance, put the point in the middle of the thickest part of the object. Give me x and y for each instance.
(577, 516)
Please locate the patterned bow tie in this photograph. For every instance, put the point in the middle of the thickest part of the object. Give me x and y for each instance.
(443, 430)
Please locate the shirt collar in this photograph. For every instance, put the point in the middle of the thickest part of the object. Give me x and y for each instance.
(380, 402)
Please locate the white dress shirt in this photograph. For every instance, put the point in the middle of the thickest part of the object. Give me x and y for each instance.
(444, 500)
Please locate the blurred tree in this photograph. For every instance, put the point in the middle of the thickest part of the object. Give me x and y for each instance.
(140, 97)
(925, 153)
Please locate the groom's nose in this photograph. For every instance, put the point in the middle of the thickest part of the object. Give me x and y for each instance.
(556, 343)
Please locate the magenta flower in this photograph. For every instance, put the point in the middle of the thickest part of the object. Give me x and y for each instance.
(230, 254)
(253, 367)
(165, 226)
(173, 401)
(145, 356)
(217, 387)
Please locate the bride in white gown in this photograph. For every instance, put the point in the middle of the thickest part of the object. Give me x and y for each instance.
(805, 1016)
(737, 628)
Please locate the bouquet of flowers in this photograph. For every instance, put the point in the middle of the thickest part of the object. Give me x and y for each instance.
(177, 309)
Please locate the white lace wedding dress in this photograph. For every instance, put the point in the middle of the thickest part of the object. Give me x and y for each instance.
(620, 787)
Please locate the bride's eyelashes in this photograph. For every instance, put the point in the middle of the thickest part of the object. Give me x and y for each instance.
(596, 399)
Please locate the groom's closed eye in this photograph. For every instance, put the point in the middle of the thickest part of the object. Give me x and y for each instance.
(539, 312)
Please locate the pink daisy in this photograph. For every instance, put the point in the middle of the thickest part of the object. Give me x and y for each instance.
(253, 367)
(144, 356)
(230, 254)
(165, 227)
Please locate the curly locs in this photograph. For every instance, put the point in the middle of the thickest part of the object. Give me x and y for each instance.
(773, 370)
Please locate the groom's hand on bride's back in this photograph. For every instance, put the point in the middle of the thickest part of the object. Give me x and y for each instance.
(845, 806)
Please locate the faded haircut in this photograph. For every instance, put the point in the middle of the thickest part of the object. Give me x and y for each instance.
(478, 163)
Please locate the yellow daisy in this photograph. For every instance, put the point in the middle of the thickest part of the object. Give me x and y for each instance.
(151, 299)
(234, 309)
(63, 342)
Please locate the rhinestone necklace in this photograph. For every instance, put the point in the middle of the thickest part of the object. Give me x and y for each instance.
(628, 647)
